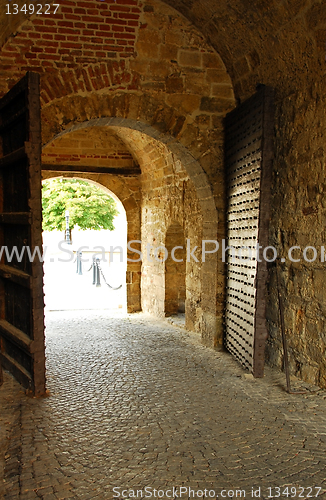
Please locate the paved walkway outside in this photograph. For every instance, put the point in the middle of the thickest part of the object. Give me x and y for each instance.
(136, 403)
(66, 290)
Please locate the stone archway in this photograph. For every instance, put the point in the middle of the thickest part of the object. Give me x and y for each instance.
(167, 165)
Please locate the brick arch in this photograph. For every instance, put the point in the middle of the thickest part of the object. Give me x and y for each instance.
(195, 143)
(184, 155)
(112, 46)
(117, 189)
(164, 74)
(210, 273)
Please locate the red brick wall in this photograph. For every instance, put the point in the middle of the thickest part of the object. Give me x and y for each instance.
(117, 45)
(94, 147)
(81, 48)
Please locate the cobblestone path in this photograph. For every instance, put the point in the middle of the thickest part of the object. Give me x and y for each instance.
(137, 403)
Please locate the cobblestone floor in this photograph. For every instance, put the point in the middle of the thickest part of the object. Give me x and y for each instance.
(136, 403)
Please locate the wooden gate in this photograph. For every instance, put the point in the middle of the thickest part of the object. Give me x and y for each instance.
(21, 276)
(249, 132)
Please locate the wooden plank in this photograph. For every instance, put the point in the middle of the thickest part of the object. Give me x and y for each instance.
(15, 275)
(17, 89)
(21, 292)
(6, 123)
(15, 335)
(15, 218)
(13, 157)
(20, 374)
(131, 172)
(34, 151)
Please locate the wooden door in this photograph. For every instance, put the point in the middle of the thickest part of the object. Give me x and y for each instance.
(249, 135)
(21, 276)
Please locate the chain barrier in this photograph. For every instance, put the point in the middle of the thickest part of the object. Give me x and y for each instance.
(96, 271)
(99, 267)
(92, 265)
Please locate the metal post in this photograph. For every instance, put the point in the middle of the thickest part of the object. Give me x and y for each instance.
(79, 263)
(67, 233)
(94, 270)
(97, 279)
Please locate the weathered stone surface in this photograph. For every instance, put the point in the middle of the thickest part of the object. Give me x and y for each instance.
(190, 58)
(216, 104)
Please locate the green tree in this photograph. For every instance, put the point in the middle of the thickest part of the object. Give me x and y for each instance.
(89, 206)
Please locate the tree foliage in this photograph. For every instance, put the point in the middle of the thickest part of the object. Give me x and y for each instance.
(89, 206)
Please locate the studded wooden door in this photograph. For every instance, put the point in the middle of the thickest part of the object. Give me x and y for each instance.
(21, 276)
(249, 131)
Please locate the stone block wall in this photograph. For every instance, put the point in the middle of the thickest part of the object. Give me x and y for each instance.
(172, 200)
(175, 270)
(298, 219)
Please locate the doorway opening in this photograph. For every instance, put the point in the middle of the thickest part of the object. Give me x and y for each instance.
(84, 268)
(175, 272)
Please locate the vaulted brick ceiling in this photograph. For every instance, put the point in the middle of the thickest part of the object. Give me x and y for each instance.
(258, 40)
(95, 147)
